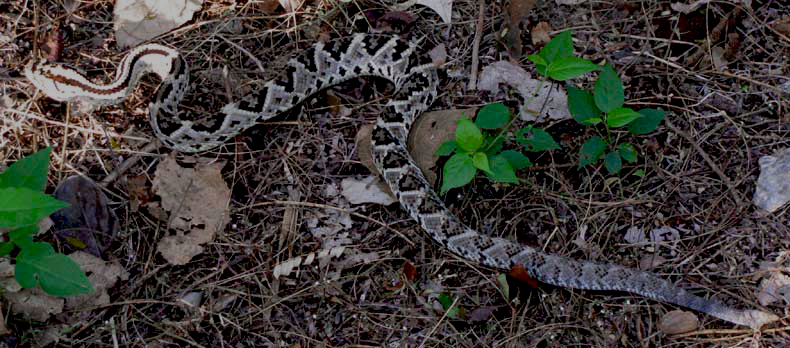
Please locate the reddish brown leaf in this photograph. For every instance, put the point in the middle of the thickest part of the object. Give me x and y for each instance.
(521, 274)
(409, 271)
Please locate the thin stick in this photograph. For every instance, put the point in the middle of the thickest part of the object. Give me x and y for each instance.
(476, 46)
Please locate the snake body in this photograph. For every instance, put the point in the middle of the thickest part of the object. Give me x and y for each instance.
(415, 80)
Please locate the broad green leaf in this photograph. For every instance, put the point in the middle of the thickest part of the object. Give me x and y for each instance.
(468, 136)
(445, 300)
(480, 161)
(516, 159)
(621, 116)
(493, 144)
(536, 139)
(30, 172)
(582, 106)
(21, 206)
(608, 93)
(612, 162)
(502, 171)
(57, 274)
(23, 236)
(6, 248)
(537, 59)
(627, 152)
(591, 151)
(26, 277)
(493, 116)
(652, 118)
(458, 171)
(446, 149)
(570, 67)
(592, 121)
(540, 64)
(559, 47)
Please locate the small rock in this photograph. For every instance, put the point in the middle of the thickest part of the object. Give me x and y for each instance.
(678, 322)
(773, 185)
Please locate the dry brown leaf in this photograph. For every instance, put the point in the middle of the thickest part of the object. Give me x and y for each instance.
(139, 20)
(34, 304)
(409, 271)
(139, 192)
(678, 322)
(197, 200)
(553, 102)
(444, 8)
(540, 34)
(783, 25)
(103, 275)
(88, 222)
(438, 55)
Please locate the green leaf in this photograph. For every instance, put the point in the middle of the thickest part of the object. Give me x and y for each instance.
(501, 279)
(493, 144)
(591, 151)
(446, 149)
(582, 106)
(652, 118)
(540, 63)
(57, 274)
(468, 136)
(612, 162)
(536, 139)
(640, 173)
(21, 206)
(480, 161)
(445, 300)
(621, 116)
(570, 67)
(516, 159)
(627, 152)
(502, 171)
(608, 93)
(30, 172)
(6, 248)
(23, 236)
(458, 171)
(493, 116)
(561, 46)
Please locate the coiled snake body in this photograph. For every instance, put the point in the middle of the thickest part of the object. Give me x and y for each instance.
(415, 80)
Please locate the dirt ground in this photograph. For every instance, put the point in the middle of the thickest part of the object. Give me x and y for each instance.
(721, 71)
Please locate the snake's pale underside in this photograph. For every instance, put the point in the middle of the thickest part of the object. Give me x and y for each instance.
(415, 80)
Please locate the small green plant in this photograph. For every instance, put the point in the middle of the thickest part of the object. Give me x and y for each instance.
(603, 106)
(479, 146)
(22, 205)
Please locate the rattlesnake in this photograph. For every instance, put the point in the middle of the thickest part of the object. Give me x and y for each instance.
(415, 80)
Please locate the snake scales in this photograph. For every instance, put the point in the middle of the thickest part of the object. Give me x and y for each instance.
(415, 80)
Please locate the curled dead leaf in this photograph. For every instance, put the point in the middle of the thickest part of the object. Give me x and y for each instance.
(541, 34)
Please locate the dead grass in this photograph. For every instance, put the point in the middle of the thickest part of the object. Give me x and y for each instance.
(700, 171)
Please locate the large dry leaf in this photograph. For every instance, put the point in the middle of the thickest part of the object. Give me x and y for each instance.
(443, 8)
(537, 108)
(103, 275)
(197, 200)
(141, 20)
